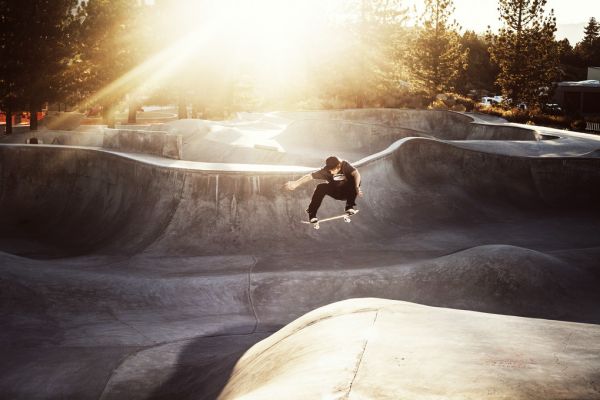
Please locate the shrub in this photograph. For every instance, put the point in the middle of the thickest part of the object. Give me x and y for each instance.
(466, 102)
(452, 101)
(551, 120)
(578, 125)
(412, 100)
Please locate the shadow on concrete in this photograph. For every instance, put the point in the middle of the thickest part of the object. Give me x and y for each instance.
(204, 367)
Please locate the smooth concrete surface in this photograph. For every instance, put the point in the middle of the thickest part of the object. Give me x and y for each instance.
(143, 141)
(132, 276)
(373, 348)
(283, 138)
(147, 142)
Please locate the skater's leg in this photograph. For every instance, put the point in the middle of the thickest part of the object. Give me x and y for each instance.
(350, 196)
(317, 198)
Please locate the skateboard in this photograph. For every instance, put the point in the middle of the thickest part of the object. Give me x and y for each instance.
(345, 216)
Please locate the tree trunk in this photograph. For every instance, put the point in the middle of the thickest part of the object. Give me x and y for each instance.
(33, 121)
(131, 118)
(108, 116)
(182, 111)
(9, 124)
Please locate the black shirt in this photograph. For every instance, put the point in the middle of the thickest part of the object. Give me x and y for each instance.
(343, 176)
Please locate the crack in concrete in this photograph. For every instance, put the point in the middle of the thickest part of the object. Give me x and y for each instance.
(362, 354)
(158, 344)
(250, 272)
(112, 314)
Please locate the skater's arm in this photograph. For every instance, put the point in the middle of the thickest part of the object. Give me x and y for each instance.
(291, 185)
(356, 176)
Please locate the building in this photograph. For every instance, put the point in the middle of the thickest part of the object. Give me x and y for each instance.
(579, 97)
(593, 74)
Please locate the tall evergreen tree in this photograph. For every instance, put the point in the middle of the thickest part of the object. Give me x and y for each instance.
(35, 43)
(10, 64)
(589, 47)
(591, 31)
(481, 72)
(572, 65)
(382, 30)
(110, 47)
(437, 56)
(526, 51)
(367, 68)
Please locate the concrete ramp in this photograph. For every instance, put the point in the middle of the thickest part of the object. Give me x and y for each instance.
(128, 275)
(381, 349)
(73, 201)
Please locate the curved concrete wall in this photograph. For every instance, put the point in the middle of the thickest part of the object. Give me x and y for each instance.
(151, 142)
(86, 199)
(444, 125)
(147, 142)
(312, 136)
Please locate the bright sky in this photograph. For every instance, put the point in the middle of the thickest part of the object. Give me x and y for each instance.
(478, 14)
(470, 14)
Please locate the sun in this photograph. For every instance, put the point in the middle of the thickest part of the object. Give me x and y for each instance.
(270, 39)
(267, 44)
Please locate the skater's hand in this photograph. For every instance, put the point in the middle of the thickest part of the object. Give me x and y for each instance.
(291, 185)
(359, 192)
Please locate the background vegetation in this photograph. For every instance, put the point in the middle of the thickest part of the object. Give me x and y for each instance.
(108, 55)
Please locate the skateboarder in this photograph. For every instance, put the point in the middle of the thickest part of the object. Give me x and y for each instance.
(343, 183)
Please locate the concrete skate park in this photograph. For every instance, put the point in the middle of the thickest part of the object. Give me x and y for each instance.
(167, 261)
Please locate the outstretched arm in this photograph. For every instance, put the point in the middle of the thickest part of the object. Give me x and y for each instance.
(356, 176)
(291, 185)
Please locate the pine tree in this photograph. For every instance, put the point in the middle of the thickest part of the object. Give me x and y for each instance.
(35, 50)
(437, 58)
(481, 72)
(109, 49)
(589, 47)
(591, 31)
(10, 64)
(382, 39)
(526, 51)
(572, 66)
(367, 69)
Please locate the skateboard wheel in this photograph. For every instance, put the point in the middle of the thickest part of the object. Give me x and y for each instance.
(347, 219)
(317, 226)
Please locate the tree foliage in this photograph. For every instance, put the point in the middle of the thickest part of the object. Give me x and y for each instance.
(480, 73)
(109, 48)
(525, 50)
(589, 48)
(367, 68)
(437, 57)
(35, 49)
(101, 52)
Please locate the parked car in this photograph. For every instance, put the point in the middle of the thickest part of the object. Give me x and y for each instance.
(491, 101)
(552, 109)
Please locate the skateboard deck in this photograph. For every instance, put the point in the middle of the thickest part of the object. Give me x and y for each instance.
(345, 216)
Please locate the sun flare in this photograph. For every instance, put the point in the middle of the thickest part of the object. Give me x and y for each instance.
(270, 39)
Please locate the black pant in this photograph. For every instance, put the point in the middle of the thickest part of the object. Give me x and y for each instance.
(345, 191)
